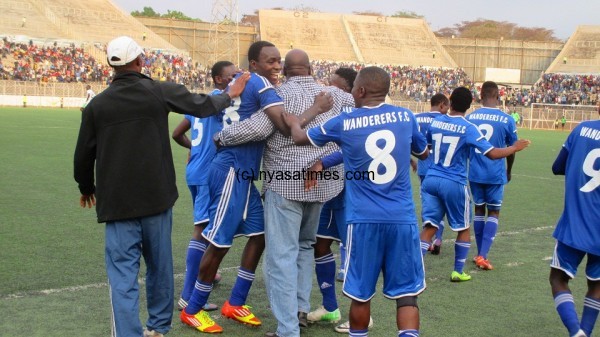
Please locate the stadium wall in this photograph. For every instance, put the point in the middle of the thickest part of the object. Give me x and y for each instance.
(193, 37)
(532, 58)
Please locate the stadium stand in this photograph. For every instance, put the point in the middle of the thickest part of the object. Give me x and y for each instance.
(387, 40)
(23, 18)
(581, 53)
(74, 20)
(358, 38)
(322, 35)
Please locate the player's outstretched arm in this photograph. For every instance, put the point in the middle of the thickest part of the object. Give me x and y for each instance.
(497, 153)
(298, 135)
(323, 103)
(179, 134)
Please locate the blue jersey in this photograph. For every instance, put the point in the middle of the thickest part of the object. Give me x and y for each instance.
(203, 148)
(377, 143)
(451, 139)
(501, 131)
(578, 227)
(258, 94)
(424, 119)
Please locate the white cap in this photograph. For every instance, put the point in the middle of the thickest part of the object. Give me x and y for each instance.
(122, 50)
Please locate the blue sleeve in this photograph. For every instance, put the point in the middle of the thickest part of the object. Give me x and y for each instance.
(512, 133)
(323, 134)
(560, 164)
(333, 159)
(265, 92)
(476, 139)
(419, 142)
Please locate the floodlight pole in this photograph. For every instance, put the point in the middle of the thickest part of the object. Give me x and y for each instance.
(224, 34)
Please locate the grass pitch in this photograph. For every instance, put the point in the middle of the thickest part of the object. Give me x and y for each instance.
(53, 281)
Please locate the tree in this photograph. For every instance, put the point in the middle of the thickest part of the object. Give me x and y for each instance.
(150, 13)
(146, 12)
(303, 8)
(490, 29)
(175, 15)
(368, 13)
(407, 14)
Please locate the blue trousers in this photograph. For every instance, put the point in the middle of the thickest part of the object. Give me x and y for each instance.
(126, 242)
(290, 233)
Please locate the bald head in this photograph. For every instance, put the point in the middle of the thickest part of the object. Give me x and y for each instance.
(296, 63)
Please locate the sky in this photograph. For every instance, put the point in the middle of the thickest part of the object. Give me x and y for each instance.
(562, 16)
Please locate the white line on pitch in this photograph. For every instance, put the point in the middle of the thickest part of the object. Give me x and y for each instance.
(180, 276)
(84, 287)
(536, 177)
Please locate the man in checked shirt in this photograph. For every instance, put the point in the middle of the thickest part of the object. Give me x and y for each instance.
(291, 213)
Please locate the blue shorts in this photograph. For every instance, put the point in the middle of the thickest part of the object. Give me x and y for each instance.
(567, 259)
(235, 208)
(441, 197)
(391, 249)
(332, 223)
(487, 194)
(200, 201)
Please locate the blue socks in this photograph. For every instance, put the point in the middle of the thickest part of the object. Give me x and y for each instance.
(489, 234)
(241, 288)
(478, 226)
(461, 250)
(440, 231)
(325, 270)
(359, 333)
(195, 251)
(591, 307)
(425, 247)
(408, 333)
(199, 297)
(566, 310)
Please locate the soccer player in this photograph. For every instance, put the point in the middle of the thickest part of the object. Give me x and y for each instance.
(235, 205)
(343, 78)
(577, 232)
(439, 106)
(202, 150)
(444, 190)
(377, 140)
(487, 177)
(89, 94)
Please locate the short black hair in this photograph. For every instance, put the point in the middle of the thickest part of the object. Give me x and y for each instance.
(376, 80)
(348, 74)
(438, 99)
(461, 99)
(489, 89)
(256, 47)
(217, 68)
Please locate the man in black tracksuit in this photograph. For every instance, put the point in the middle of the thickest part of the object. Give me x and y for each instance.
(124, 133)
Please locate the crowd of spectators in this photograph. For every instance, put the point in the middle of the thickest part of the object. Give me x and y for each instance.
(69, 63)
(571, 89)
(407, 82)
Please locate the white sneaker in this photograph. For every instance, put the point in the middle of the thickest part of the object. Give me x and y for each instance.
(580, 333)
(345, 327)
(322, 315)
(152, 333)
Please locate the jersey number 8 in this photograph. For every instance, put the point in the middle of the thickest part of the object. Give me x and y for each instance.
(382, 156)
